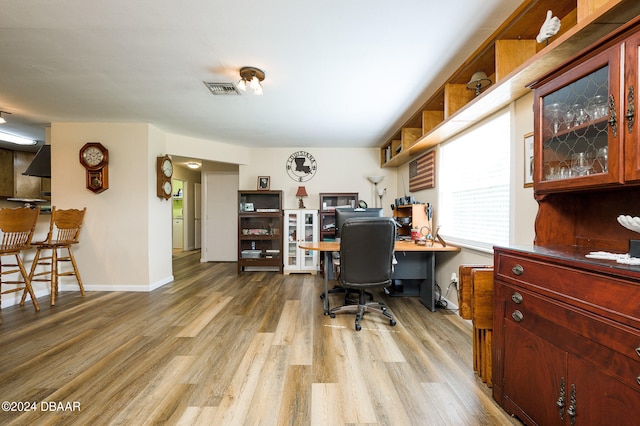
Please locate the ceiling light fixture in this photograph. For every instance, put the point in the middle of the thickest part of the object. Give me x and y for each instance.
(6, 137)
(193, 165)
(479, 81)
(2, 120)
(252, 77)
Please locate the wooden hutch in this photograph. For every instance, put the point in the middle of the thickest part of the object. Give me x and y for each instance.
(566, 327)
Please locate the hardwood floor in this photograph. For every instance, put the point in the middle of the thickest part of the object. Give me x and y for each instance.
(214, 347)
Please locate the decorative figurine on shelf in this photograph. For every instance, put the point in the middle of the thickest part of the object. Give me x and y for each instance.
(549, 28)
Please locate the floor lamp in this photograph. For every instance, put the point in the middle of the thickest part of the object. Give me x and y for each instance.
(375, 180)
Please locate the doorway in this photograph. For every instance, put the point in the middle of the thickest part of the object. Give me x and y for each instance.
(177, 213)
(197, 215)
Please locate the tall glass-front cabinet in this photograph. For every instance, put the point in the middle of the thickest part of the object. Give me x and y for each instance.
(301, 226)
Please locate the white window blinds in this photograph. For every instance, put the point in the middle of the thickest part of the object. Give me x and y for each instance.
(474, 185)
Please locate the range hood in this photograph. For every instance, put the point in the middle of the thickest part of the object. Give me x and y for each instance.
(41, 164)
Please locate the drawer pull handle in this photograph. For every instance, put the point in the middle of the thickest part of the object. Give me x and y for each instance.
(517, 316)
(638, 379)
(517, 298)
(518, 269)
(638, 351)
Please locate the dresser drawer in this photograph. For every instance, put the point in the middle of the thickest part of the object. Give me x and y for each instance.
(611, 297)
(613, 347)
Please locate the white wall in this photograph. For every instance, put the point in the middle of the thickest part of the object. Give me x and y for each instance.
(125, 242)
(338, 170)
(205, 149)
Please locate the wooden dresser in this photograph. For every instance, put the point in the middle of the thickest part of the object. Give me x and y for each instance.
(566, 337)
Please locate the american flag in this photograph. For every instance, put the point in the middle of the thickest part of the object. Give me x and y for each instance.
(422, 172)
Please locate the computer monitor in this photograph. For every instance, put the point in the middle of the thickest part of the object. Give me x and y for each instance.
(342, 214)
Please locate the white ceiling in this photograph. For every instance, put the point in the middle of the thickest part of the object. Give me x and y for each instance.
(338, 73)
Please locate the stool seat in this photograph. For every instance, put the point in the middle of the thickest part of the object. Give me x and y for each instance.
(64, 231)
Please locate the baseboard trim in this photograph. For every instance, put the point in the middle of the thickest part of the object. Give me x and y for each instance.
(12, 299)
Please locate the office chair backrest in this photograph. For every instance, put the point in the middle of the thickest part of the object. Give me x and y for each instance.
(366, 252)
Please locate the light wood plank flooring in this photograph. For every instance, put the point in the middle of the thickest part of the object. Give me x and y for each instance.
(214, 347)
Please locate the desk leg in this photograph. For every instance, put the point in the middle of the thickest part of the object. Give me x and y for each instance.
(427, 288)
(327, 262)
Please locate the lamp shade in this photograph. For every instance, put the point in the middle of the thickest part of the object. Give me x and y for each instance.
(479, 81)
(302, 192)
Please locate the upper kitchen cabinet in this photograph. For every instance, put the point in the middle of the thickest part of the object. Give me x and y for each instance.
(584, 119)
(13, 184)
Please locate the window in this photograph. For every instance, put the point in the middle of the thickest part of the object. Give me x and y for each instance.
(474, 184)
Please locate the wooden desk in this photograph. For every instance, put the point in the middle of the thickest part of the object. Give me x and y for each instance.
(427, 296)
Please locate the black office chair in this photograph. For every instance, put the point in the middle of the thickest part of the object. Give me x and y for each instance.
(366, 257)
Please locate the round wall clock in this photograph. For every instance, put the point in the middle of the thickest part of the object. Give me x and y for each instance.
(93, 156)
(301, 166)
(164, 171)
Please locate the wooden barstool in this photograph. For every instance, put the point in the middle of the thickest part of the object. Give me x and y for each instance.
(64, 230)
(17, 226)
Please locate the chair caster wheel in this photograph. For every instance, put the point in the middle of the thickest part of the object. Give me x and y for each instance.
(332, 315)
(358, 327)
(322, 296)
(392, 322)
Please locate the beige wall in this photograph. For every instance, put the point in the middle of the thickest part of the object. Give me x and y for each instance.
(125, 240)
(338, 170)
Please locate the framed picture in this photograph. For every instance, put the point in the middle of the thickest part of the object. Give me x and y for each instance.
(528, 160)
(264, 182)
(248, 207)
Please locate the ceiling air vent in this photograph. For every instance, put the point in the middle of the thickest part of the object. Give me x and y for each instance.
(222, 88)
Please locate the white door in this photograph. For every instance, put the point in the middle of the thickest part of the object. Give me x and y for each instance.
(220, 221)
(197, 215)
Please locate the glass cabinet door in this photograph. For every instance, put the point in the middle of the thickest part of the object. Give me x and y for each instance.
(291, 233)
(578, 137)
(309, 257)
(300, 227)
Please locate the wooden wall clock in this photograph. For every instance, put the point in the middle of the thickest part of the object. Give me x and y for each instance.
(95, 158)
(164, 171)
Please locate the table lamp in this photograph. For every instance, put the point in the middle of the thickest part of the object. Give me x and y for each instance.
(302, 192)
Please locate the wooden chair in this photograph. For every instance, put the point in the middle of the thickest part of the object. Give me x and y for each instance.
(475, 295)
(64, 230)
(16, 229)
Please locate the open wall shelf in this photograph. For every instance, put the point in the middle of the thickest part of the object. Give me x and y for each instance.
(511, 58)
